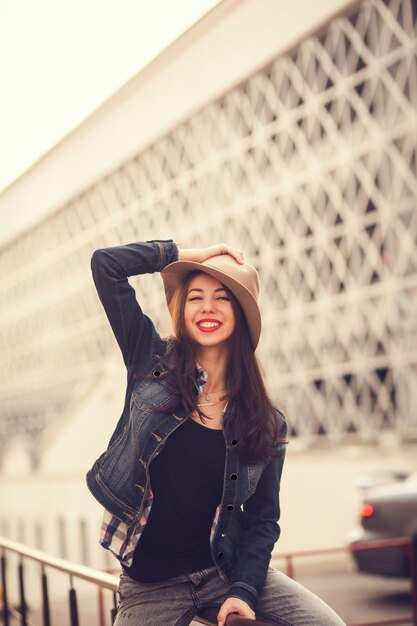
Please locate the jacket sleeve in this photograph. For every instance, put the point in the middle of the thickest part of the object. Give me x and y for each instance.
(261, 513)
(111, 268)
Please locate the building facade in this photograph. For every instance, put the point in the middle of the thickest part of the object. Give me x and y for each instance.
(295, 142)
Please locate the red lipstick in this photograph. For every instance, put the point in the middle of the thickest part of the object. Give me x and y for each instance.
(208, 325)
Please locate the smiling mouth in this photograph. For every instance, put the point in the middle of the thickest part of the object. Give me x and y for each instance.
(208, 327)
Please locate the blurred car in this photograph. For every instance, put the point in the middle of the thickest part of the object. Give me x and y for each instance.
(388, 511)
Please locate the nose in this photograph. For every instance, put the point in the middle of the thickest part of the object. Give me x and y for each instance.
(209, 305)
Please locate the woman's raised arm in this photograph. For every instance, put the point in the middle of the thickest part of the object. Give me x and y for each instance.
(111, 268)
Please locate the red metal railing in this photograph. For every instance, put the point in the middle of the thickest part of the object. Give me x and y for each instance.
(405, 543)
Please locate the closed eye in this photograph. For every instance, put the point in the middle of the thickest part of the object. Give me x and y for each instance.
(193, 298)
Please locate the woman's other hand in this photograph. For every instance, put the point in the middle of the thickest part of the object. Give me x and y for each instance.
(234, 605)
(202, 254)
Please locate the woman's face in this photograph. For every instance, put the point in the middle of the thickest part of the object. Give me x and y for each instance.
(208, 313)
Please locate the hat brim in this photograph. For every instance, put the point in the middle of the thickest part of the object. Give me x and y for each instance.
(174, 274)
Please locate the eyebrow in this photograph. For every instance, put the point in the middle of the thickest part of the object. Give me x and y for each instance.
(202, 290)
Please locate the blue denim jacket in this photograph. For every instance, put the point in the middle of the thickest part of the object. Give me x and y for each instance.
(245, 527)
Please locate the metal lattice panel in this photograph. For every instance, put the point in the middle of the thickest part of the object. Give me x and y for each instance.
(311, 168)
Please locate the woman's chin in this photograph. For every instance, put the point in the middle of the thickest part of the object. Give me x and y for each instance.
(211, 342)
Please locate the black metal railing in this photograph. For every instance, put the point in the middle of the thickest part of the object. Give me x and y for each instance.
(46, 562)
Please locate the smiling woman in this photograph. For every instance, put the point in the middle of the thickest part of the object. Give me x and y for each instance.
(190, 480)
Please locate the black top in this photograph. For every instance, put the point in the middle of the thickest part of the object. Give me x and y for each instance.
(187, 483)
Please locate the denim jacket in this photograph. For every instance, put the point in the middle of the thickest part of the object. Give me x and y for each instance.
(245, 527)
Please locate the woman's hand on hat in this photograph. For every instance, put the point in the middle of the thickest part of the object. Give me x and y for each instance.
(234, 605)
(199, 255)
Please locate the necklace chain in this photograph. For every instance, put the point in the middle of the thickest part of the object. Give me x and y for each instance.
(207, 394)
(208, 397)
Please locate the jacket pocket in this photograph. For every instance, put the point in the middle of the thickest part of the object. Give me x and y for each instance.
(154, 393)
(109, 459)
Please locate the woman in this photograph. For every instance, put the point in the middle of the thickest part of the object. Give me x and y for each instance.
(191, 476)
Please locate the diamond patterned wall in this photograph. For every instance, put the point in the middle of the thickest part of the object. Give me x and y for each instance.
(310, 166)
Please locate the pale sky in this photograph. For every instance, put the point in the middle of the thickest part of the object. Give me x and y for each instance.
(60, 59)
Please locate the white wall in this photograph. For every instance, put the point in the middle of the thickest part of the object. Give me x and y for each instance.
(57, 490)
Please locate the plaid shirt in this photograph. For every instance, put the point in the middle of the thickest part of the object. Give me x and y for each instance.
(122, 539)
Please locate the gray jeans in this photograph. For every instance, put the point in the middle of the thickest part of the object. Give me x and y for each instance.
(174, 602)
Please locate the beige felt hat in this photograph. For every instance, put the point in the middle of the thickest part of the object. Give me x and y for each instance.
(242, 280)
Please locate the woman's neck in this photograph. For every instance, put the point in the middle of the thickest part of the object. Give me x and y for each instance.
(214, 362)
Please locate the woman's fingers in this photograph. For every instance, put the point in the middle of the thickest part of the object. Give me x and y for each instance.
(234, 253)
(234, 605)
(200, 255)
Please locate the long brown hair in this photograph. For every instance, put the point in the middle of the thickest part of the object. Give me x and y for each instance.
(249, 405)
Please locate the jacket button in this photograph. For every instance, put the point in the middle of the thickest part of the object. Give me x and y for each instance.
(234, 442)
(230, 507)
(156, 373)
(223, 535)
(220, 555)
(233, 477)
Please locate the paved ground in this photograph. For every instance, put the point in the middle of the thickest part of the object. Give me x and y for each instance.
(357, 597)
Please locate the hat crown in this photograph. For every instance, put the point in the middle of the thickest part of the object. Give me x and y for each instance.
(244, 273)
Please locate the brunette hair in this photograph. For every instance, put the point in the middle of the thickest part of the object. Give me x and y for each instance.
(249, 405)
